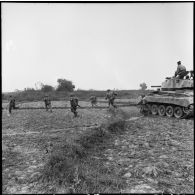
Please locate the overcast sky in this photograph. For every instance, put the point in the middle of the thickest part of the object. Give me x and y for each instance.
(97, 46)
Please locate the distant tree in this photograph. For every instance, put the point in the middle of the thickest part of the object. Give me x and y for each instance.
(65, 85)
(47, 88)
(143, 86)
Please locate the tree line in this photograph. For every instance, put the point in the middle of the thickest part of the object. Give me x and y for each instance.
(63, 85)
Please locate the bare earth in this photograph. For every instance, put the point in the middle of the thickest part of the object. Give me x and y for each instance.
(154, 154)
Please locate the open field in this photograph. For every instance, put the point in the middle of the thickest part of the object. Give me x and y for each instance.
(40, 104)
(100, 151)
(37, 95)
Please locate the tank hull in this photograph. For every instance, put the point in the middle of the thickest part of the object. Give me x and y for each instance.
(180, 104)
(183, 101)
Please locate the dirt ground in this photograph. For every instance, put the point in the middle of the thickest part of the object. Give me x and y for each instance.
(154, 154)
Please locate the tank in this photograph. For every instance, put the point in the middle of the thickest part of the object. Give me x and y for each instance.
(174, 98)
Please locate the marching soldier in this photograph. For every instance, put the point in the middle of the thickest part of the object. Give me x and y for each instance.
(74, 104)
(47, 101)
(181, 71)
(111, 95)
(93, 100)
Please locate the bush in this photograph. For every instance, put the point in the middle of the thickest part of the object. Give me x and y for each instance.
(143, 86)
(65, 85)
(47, 88)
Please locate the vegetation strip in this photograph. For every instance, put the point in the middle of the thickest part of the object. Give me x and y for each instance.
(63, 129)
(72, 165)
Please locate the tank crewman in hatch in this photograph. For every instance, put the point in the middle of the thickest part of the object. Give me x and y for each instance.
(181, 71)
(111, 95)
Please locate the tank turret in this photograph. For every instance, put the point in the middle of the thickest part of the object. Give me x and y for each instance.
(172, 84)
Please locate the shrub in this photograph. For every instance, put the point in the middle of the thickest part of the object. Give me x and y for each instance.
(65, 85)
(47, 88)
(143, 86)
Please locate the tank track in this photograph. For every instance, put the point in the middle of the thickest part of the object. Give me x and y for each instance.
(168, 110)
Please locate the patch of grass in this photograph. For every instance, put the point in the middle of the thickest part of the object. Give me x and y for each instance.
(72, 165)
(61, 162)
(118, 114)
(97, 178)
(93, 138)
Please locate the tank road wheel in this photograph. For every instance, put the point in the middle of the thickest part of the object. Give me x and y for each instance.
(161, 110)
(154, 109)
(169, 111)
(178, 112)
(186, 110)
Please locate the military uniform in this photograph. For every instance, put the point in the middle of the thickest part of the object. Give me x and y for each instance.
(144, 109)
(74, 104)
(111, 97)
(11, 105)
(181, 71)
(47, 103)
(192, 75)
(93, 100)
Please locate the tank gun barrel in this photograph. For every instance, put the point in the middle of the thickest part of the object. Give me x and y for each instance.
(156, 86)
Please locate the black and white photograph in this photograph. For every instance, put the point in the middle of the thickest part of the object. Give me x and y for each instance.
(97, 97)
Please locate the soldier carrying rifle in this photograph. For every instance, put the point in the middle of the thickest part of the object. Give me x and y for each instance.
(47, 102)
(74, 104)
(93, 100)
(111, 95)
(11, 105)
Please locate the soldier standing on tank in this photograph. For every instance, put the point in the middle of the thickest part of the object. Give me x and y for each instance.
(93, 100)
(47, 101)
(181, 71)
(74, 104)
(111, 95)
